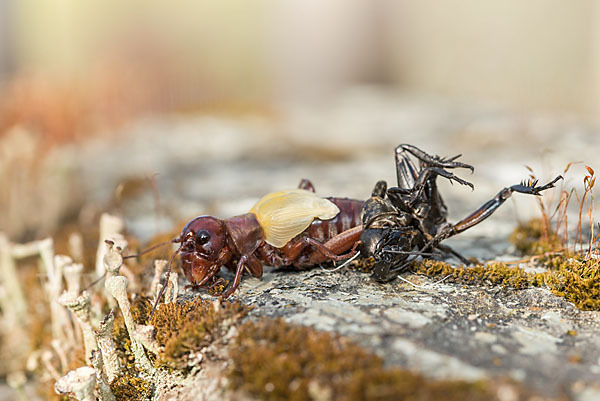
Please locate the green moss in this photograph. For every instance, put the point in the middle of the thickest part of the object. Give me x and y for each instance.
(141, 307)
(186, 327)
(129, 387)
(575, 279)
(532, 238)
(273, 360)
(578, 281)
(495, 273)
(363, 265)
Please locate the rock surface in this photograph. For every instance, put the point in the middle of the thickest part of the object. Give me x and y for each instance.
(444, 330)
(441, 329)
(221, 166)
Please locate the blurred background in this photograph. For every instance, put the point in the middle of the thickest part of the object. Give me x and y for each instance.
(162, 111)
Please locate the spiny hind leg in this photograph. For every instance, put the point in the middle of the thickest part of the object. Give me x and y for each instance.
(431, 160)
(488, 208)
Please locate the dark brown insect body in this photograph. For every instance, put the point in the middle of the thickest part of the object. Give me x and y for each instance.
(240, 243)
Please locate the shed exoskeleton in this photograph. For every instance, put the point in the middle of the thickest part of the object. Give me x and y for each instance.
(410, 220)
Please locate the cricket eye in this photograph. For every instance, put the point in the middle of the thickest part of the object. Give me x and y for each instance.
(202, 237)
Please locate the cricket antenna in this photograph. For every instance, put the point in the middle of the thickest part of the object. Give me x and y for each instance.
(145, 251)
(95, 282)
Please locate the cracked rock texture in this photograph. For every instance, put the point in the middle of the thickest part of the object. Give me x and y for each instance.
(444, 330)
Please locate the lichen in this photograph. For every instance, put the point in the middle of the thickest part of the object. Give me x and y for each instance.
(141, 307)
(46, 388)
(186, 327)
(274, 360)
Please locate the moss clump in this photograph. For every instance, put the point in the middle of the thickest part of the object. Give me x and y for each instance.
(129, 387)
(273, 360)
(575, 279)
(219, 287)
(495, 273)
(186, 327)
(363, 265)
(534, 238)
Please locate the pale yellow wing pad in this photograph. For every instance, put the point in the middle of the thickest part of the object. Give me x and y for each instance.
(283, 215)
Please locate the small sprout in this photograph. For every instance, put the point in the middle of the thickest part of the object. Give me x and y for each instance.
(53, 287)
(590, 170)
(80, 383)
(568, 167)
